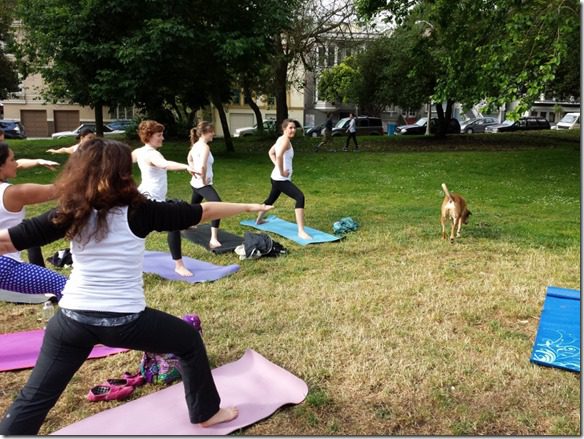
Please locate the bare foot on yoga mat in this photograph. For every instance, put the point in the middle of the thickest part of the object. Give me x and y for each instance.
(181, 269)
(304, 235)
(214, 243)
(223, 415)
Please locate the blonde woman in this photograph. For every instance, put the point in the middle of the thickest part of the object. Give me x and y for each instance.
(200, 160)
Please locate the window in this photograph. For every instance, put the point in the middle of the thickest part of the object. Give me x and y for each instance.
(121, 112)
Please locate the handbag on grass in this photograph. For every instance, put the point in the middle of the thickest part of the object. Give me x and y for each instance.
(165, 368)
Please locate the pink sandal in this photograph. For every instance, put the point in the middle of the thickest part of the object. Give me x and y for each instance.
(134, 380)
(107, 392)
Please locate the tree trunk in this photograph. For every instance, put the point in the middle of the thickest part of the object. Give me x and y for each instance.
(224, 125)
(98, 119)
(281, 82)
(258, 114)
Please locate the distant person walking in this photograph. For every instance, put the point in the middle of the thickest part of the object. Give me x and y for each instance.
(328, 132)
(352, 132)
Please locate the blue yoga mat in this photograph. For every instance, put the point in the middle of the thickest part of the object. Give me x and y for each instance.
(557, 343)
(161, 263)
(290, 230)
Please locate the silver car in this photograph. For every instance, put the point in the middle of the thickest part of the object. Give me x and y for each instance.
(477, 125)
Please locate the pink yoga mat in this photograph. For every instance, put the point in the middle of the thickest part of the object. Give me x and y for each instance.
(252, 383)
(20, 350)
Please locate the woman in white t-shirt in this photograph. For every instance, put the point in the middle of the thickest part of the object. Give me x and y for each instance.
(200, 160)
(154, 185)
(282, 154)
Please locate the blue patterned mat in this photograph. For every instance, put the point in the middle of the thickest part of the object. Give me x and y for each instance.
(557, 343)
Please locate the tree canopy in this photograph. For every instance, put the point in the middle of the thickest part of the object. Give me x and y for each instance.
(496, 51)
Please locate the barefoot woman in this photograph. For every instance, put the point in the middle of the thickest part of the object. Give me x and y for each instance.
(282, 154)
(107, 219)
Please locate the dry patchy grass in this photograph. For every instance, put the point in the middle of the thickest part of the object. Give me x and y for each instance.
(394, 330)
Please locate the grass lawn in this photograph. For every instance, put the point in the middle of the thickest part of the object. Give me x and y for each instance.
(395, 331)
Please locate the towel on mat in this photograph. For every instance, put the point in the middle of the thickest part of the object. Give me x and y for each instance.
(256, 386)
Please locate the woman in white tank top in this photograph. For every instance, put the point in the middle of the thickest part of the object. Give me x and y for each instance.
(282, 154)
(200, 160)
(153, 167)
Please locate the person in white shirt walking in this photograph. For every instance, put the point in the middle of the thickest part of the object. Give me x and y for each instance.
(352, 132)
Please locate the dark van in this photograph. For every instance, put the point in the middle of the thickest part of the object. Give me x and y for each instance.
(366, 126)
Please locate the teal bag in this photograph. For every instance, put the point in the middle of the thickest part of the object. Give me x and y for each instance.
(345, 225)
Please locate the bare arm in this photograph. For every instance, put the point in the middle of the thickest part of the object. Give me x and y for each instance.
(217, 210)
(63, 150)
(31, 163)
(19, 195)
(280, 149)
(203, 170)
(6, 245)
(158, 161)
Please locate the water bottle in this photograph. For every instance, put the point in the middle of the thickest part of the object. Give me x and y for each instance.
(47, 312)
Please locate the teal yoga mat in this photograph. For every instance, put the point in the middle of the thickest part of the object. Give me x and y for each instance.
(290, 230)
(557, 343)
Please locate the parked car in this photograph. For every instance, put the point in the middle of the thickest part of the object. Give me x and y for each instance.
(121, 124)
(570, 121)
(13, 129)
(107, 131)
(314, 131)
(523, 124)
(269, 126)
(420, 127)
(477, 125)
(366, 126)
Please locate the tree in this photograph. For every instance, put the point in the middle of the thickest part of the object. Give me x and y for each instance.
(313, 22)
(8, 77)
(492, 50)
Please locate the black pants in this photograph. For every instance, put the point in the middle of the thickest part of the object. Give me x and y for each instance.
(67, 343)
(354, 137)
(206, 193)
(35, 256)
(289, 189)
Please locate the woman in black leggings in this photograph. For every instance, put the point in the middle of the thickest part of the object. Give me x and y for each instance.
(107, 219)
(201, 160)
(282, 154)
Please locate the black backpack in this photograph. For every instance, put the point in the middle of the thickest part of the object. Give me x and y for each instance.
(257, 245)
(61, 258)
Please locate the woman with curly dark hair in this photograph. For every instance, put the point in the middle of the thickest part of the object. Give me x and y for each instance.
(107, 220)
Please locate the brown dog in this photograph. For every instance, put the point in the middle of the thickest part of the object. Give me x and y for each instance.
(453, 206)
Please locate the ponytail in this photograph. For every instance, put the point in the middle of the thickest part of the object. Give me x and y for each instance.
(202, 127)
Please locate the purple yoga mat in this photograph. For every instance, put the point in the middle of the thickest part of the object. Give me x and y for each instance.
(161, 263)
(252, 383)
(20, 350)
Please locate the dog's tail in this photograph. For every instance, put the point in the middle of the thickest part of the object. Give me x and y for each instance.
(445, 189)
